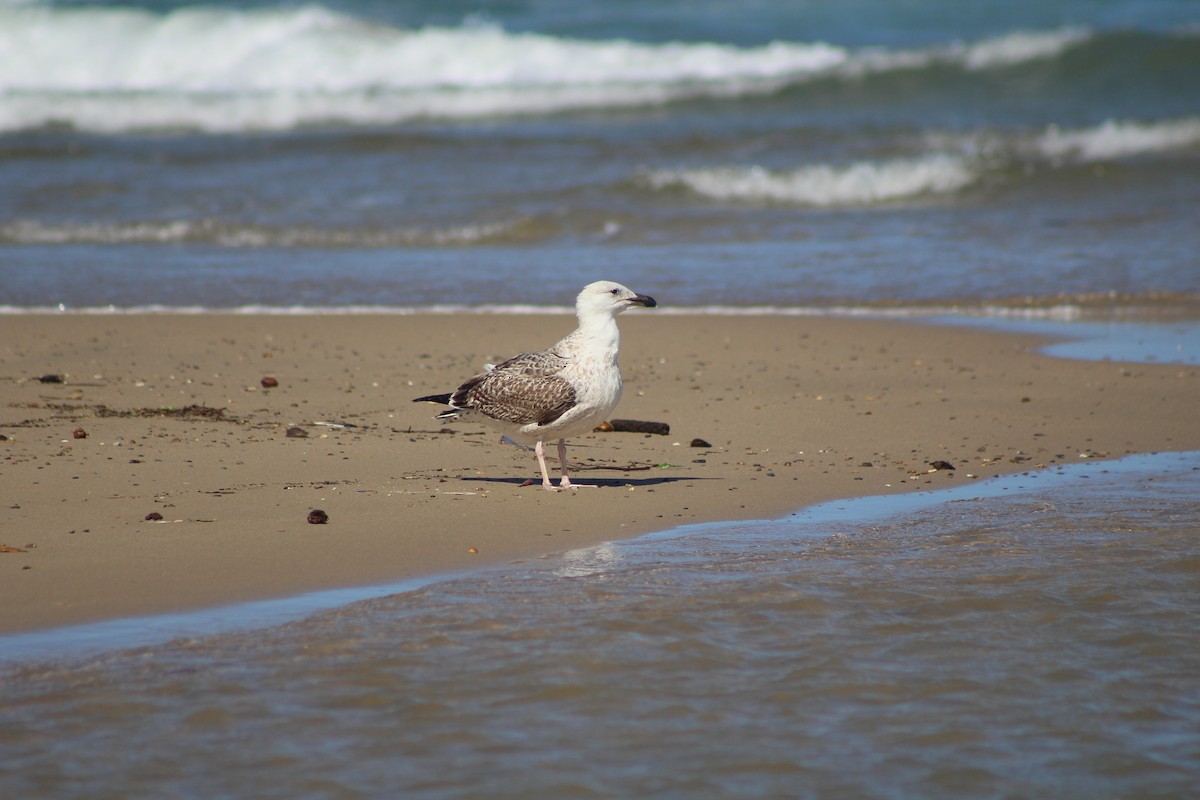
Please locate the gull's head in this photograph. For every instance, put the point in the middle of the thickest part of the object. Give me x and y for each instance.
(606, 297)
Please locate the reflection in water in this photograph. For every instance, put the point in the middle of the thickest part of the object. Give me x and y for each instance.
(1039, 642)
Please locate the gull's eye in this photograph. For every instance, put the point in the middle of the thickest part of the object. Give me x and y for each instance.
(615, 291)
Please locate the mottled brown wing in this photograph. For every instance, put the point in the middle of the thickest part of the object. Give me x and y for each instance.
(525, 389)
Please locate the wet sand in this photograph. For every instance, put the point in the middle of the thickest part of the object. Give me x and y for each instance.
(174, 420)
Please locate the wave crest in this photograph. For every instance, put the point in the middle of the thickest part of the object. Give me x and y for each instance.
(956, 163)
(824, 185)
(220, 70)
(238, 235)
(1116, 139)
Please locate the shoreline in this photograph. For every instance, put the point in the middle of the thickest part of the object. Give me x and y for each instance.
(1093, 307)
(798, 411)
(829, 518)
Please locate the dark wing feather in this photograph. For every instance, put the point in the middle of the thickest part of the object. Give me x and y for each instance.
(525, 389)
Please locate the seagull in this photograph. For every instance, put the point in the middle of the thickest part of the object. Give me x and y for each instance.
(556, 393)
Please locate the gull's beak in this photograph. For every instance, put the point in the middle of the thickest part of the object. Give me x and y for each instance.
(643, 300)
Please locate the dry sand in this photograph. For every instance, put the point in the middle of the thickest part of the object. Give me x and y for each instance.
(796, 411)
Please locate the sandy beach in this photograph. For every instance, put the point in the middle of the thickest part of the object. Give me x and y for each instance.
(110, 419)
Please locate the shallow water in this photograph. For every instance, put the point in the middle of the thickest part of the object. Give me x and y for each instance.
(1125, 340)
(1034, 639)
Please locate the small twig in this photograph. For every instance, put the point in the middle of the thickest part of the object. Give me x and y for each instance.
(629, 468)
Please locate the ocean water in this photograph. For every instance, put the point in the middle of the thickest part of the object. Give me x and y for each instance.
(859, 154)
(1032, 636)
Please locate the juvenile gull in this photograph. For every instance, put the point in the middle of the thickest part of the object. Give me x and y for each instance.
(555, 393)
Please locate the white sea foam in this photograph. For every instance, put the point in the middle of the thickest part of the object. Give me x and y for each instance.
(313, 49)
(1017, 48)
(222, 70)
(1118, 139)
(29, 232)
(860, 183)
(1111, 139)
(1057, 312)
(953, 163)
(218, 69)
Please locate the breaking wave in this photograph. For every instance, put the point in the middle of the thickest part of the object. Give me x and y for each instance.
(226, 234)
(824, 185)
(224, 70)
(1116, 139)
(960, 163)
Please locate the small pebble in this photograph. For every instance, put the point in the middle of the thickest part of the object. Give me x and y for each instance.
(269, 383)
(154, 516)
(941, 465)
(317, 517)
(297, 433)
(51, 379)
(700, 443)
(79, 433)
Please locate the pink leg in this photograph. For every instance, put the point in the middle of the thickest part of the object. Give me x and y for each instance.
(562, 461)
(541, 457)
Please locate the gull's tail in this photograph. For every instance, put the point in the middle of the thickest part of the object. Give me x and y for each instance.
(444, 399)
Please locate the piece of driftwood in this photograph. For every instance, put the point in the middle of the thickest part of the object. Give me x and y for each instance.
(634, 426)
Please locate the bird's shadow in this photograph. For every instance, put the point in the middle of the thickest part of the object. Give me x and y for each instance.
(606, 483)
